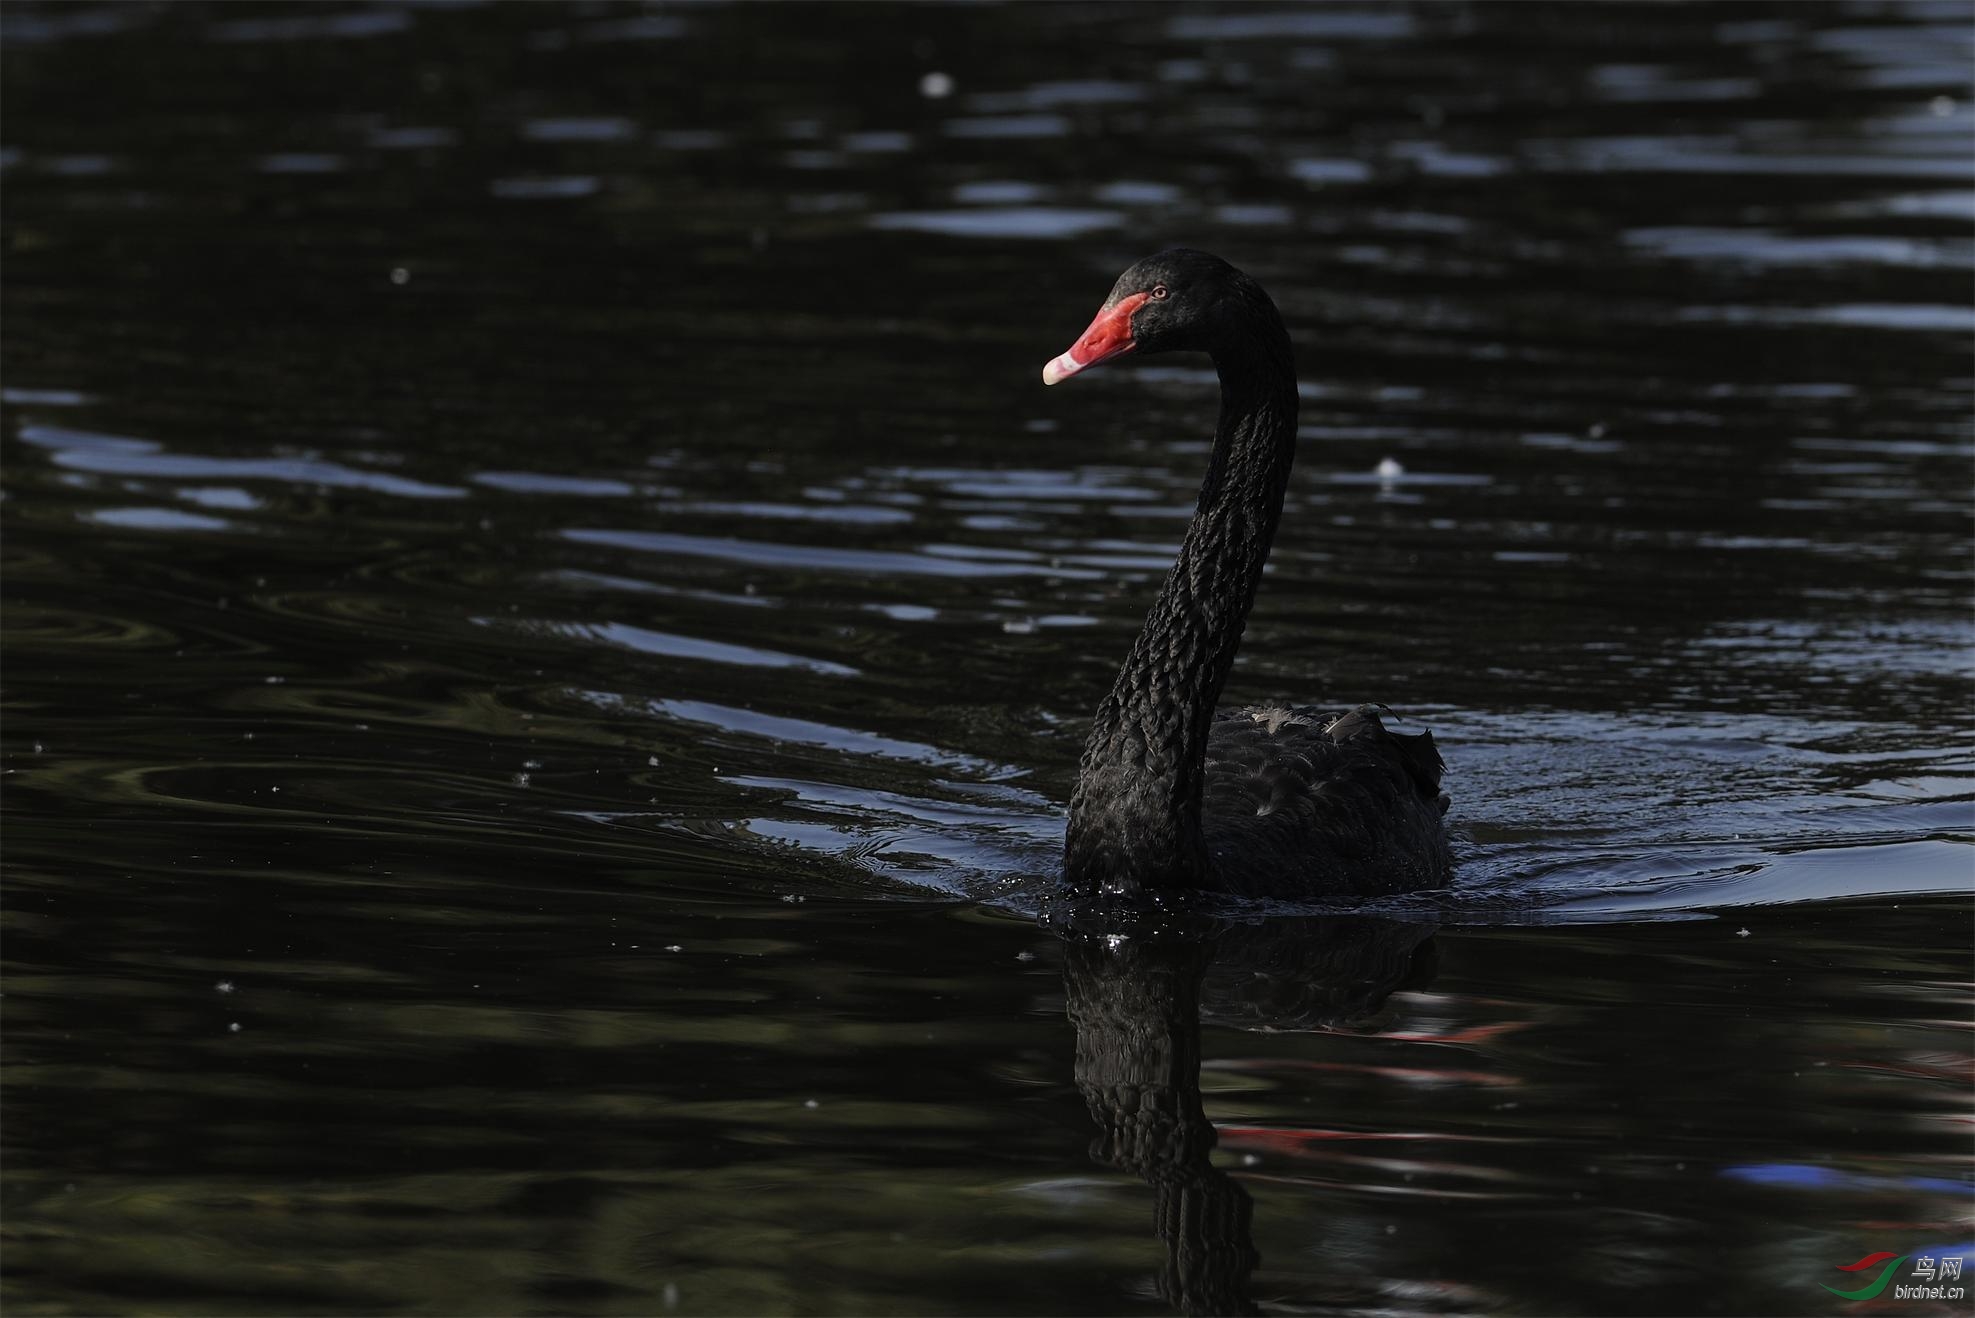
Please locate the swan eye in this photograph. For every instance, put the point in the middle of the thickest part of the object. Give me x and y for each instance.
(1158, 292)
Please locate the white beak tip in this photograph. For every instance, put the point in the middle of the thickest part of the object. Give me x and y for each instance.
(1060, 369)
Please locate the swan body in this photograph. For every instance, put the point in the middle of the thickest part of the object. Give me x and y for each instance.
(1171, 795)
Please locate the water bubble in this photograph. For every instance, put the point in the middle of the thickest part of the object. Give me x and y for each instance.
(1389, 469)
(652, 760)
(224, 986)
(400, 276)
(233, 1027)
(674, 947)
(669, 1296)
(811, 1103)
(1741, 933)
(1942, 106)
(1025, 956)
(936, 86)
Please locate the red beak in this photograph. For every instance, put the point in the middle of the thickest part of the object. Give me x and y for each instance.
(1110, 335)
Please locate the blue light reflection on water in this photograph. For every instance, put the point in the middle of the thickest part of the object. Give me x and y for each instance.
(1800, 1176)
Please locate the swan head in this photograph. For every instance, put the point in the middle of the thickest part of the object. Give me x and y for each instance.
(1173, 301)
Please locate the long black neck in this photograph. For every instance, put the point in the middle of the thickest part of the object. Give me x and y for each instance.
(1135, 816)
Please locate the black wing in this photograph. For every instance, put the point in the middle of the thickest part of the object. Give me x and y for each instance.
(1304, 802)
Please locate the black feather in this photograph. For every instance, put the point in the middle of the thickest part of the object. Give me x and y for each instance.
(1301, 801)
(1172, 796)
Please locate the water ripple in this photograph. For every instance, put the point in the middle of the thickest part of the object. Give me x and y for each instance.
(935, 561)
(81, 450)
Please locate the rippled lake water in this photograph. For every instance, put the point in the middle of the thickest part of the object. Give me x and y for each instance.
(549, 622)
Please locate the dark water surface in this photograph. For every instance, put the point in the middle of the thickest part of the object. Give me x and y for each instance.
(549, 619)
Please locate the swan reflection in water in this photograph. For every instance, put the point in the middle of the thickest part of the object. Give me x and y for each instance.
(1137, 998)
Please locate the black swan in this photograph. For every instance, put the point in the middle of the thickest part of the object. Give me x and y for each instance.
(1266, 801)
